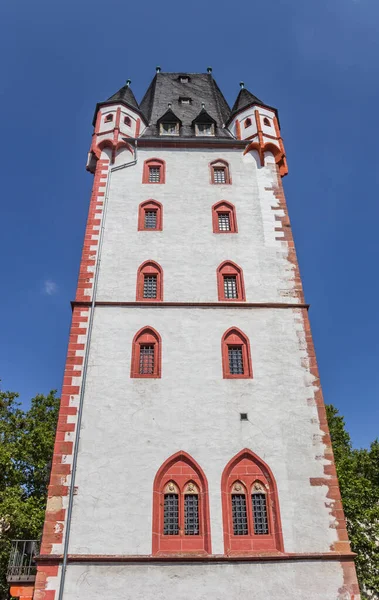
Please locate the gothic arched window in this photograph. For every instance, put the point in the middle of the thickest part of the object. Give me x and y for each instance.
(127, 121)
(230, 282)
(266, 122)
(224, 218)
(149, 281)
(154, 171)
(247, 123)
(150, 216)
(250, 506)
(180, 507)
(236, 358)
(146, 354)
(220, 173)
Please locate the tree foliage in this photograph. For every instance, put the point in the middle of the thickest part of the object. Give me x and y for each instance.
(26, 448)
(358, 474)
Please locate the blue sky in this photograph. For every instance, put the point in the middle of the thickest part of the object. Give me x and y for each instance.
(316, 61)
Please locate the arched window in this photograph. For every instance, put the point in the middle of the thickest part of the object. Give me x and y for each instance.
(224, 218)
(266, 122)
(180, 507)
(230, 282)
(154, 171)
(149, 282)
(146, 354)
(109, 118)
(250, 506)
(247, 123)
(150, 216)
(127, 121)
(236, 358)
(220, 173)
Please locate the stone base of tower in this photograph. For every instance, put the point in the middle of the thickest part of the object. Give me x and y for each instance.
(298, 579)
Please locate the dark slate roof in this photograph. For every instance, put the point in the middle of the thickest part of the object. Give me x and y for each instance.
(169, 117)
(201, 88)
(203, 117)
(124, 95)
(245, 99)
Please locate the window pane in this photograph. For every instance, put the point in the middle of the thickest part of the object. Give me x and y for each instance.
(230, 287)
(235, 360)
(146, 360)
(191, 514)
(150, 286)
(224, 221)
(150, 219)
(219, 174)
(169, 129)
(171, 514)
(239, 514)
(154, 174)
(260, 514)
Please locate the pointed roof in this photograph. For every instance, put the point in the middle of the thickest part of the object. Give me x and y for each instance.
(123, 96)
(169, 117)
(244, 99)
(203, 117)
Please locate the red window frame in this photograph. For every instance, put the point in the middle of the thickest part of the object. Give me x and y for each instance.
(246, 469)
(108, 118)
(235, 337)
(229, 268)
(154, 162)
(146, 336)
(148, 205)
(127, 121)
(266, 122)
(224, 207)
(149, 267)
(180, 469)
(220, 163)
(247, 123)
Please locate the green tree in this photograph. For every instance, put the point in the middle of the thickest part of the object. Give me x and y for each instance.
(358, 474)
(26, 448)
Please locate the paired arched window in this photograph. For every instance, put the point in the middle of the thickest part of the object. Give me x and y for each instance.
(149, 282)
(236, 357)
(146, 354)
(250, 506)
(247, 123)
(224, 218)
(154, 171)
(108, 118)
(180, 507)
(150, 216)
(220, 172)
(230, 284)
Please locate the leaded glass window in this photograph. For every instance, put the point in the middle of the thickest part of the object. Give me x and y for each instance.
(230, 286)
(150, 219)
(235, 360)
(150, 286)
(219, 174)
(154, 174)
(171, 514)
(191, 514)
(224, 221)
(260, 514)
(239, 514)
(146, 359)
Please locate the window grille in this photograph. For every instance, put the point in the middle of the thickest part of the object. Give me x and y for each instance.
(235, 360)
(239, 514)
(224, 221)
(154, 174)
(171, 514)
(146, 360)
(219, 175)
(150, 286)
(260, 514)
(150, 219)
(191, 514)
(230, 286)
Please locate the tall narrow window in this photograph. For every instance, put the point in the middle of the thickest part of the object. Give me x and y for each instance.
(150, 216)
(146, 354)
(154, 171)
(180, 507)
(236, 359)
(220, 172)
(224, 217)
(230, 282)
(250, 509)
(150, 281)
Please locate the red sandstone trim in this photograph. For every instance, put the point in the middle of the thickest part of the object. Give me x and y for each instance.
(150, 205)
(235, 337)
(146, 335)
(149, 267)
(154, 162)
(221, 163)
(228, 268)
(224, 207)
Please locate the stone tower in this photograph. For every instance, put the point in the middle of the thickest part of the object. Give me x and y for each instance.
(192, 457)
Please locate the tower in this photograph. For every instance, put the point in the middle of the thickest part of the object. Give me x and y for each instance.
(192, 457)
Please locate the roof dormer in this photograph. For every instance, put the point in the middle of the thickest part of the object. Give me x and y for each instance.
(204, 124)
(169, 123)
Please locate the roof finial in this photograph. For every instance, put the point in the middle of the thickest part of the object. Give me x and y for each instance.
(242, 84)
(128, 82)
(158, 69)
(209, 69)
(203, 105)
(169, 104)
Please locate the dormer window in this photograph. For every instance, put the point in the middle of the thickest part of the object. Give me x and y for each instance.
(169, 128)
(204, 129)
(183, 100)
(184, 79)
